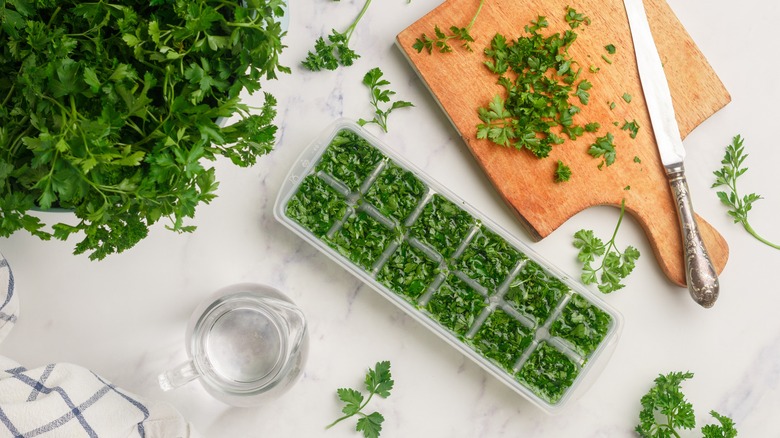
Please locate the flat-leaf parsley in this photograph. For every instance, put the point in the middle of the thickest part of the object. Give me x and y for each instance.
(378, 382)
(615, 265)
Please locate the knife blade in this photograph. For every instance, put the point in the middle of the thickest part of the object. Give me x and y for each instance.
(700, 275)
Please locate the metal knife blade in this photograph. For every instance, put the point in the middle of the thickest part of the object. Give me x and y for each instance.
(700, 275)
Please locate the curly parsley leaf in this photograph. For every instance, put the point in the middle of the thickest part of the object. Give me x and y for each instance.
(440, 39)
(665, 411)
(373, 80)
(378, 382)
(739, 206)
(562, 172)
(615, 265)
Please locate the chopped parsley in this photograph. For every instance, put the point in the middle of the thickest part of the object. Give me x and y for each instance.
(488, 259)
(535, 293)
(582, 324)
(408, 272)
(562, 172)
(362, 239)
(316, 206)
(456, 305)
(396, 192)
(442, 225)
(548, 373)
(632, 127)
(502, 338)
(604, 147)
(350, 159)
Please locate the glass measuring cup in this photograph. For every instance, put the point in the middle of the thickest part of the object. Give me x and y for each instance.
(247, 343)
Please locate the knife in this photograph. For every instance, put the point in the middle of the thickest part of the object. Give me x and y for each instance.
(699, 273)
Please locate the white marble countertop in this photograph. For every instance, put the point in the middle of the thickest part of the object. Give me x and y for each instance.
(125, 317)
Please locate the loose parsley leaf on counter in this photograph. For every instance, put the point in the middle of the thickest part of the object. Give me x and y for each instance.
(378, 382)
(441, 39)
(373, 80)
(665, 411)
(615, 265)
(329, 55)
(727, 176)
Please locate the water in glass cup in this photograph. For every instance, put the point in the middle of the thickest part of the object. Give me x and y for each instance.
(247, 344)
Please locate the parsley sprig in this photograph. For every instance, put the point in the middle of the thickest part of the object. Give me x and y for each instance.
(665, 411)
(329, 55)
(615, 265)
(441, 39)
(373, 80)
(378, 382)
(727, 176)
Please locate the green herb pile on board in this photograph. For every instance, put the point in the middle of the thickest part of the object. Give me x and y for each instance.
(110, 110)
(540, 78)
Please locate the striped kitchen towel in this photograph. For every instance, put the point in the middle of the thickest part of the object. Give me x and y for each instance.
(66, 400)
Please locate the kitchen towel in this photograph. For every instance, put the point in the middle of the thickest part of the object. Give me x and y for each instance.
(66, 400)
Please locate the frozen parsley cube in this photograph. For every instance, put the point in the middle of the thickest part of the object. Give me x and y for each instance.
(548, 373)
(502, 338)
(350, 159)
(362, 239)
(583, 324)
(316, 206)
(456, 305)
(396, 192)
(534, 292)
(408, 272)
(442, 225)
(488, 259)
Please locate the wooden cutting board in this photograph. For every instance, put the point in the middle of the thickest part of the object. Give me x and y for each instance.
(461, 84)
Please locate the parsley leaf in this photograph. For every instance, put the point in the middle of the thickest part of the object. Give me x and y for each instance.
(373, 80)
(604, 147)
(727, 176)
(665, 411)
(562, 172)
(632, 127)
(615, 265)
(441, 39)
(378, 382)
(329, 55)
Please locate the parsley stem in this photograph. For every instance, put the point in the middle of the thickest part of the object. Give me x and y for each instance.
(365, 403)
(612, 244)
(753, 233)
(352, 27)
(474, 19)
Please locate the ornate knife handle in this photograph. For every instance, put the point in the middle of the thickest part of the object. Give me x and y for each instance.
(699, 273)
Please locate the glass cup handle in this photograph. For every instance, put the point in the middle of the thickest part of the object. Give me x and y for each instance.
(178, 376)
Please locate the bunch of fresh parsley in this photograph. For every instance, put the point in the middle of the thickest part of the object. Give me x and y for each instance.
(727, 176)
(378, 382)
(111, 109)
(615, 265)
(665, 411)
